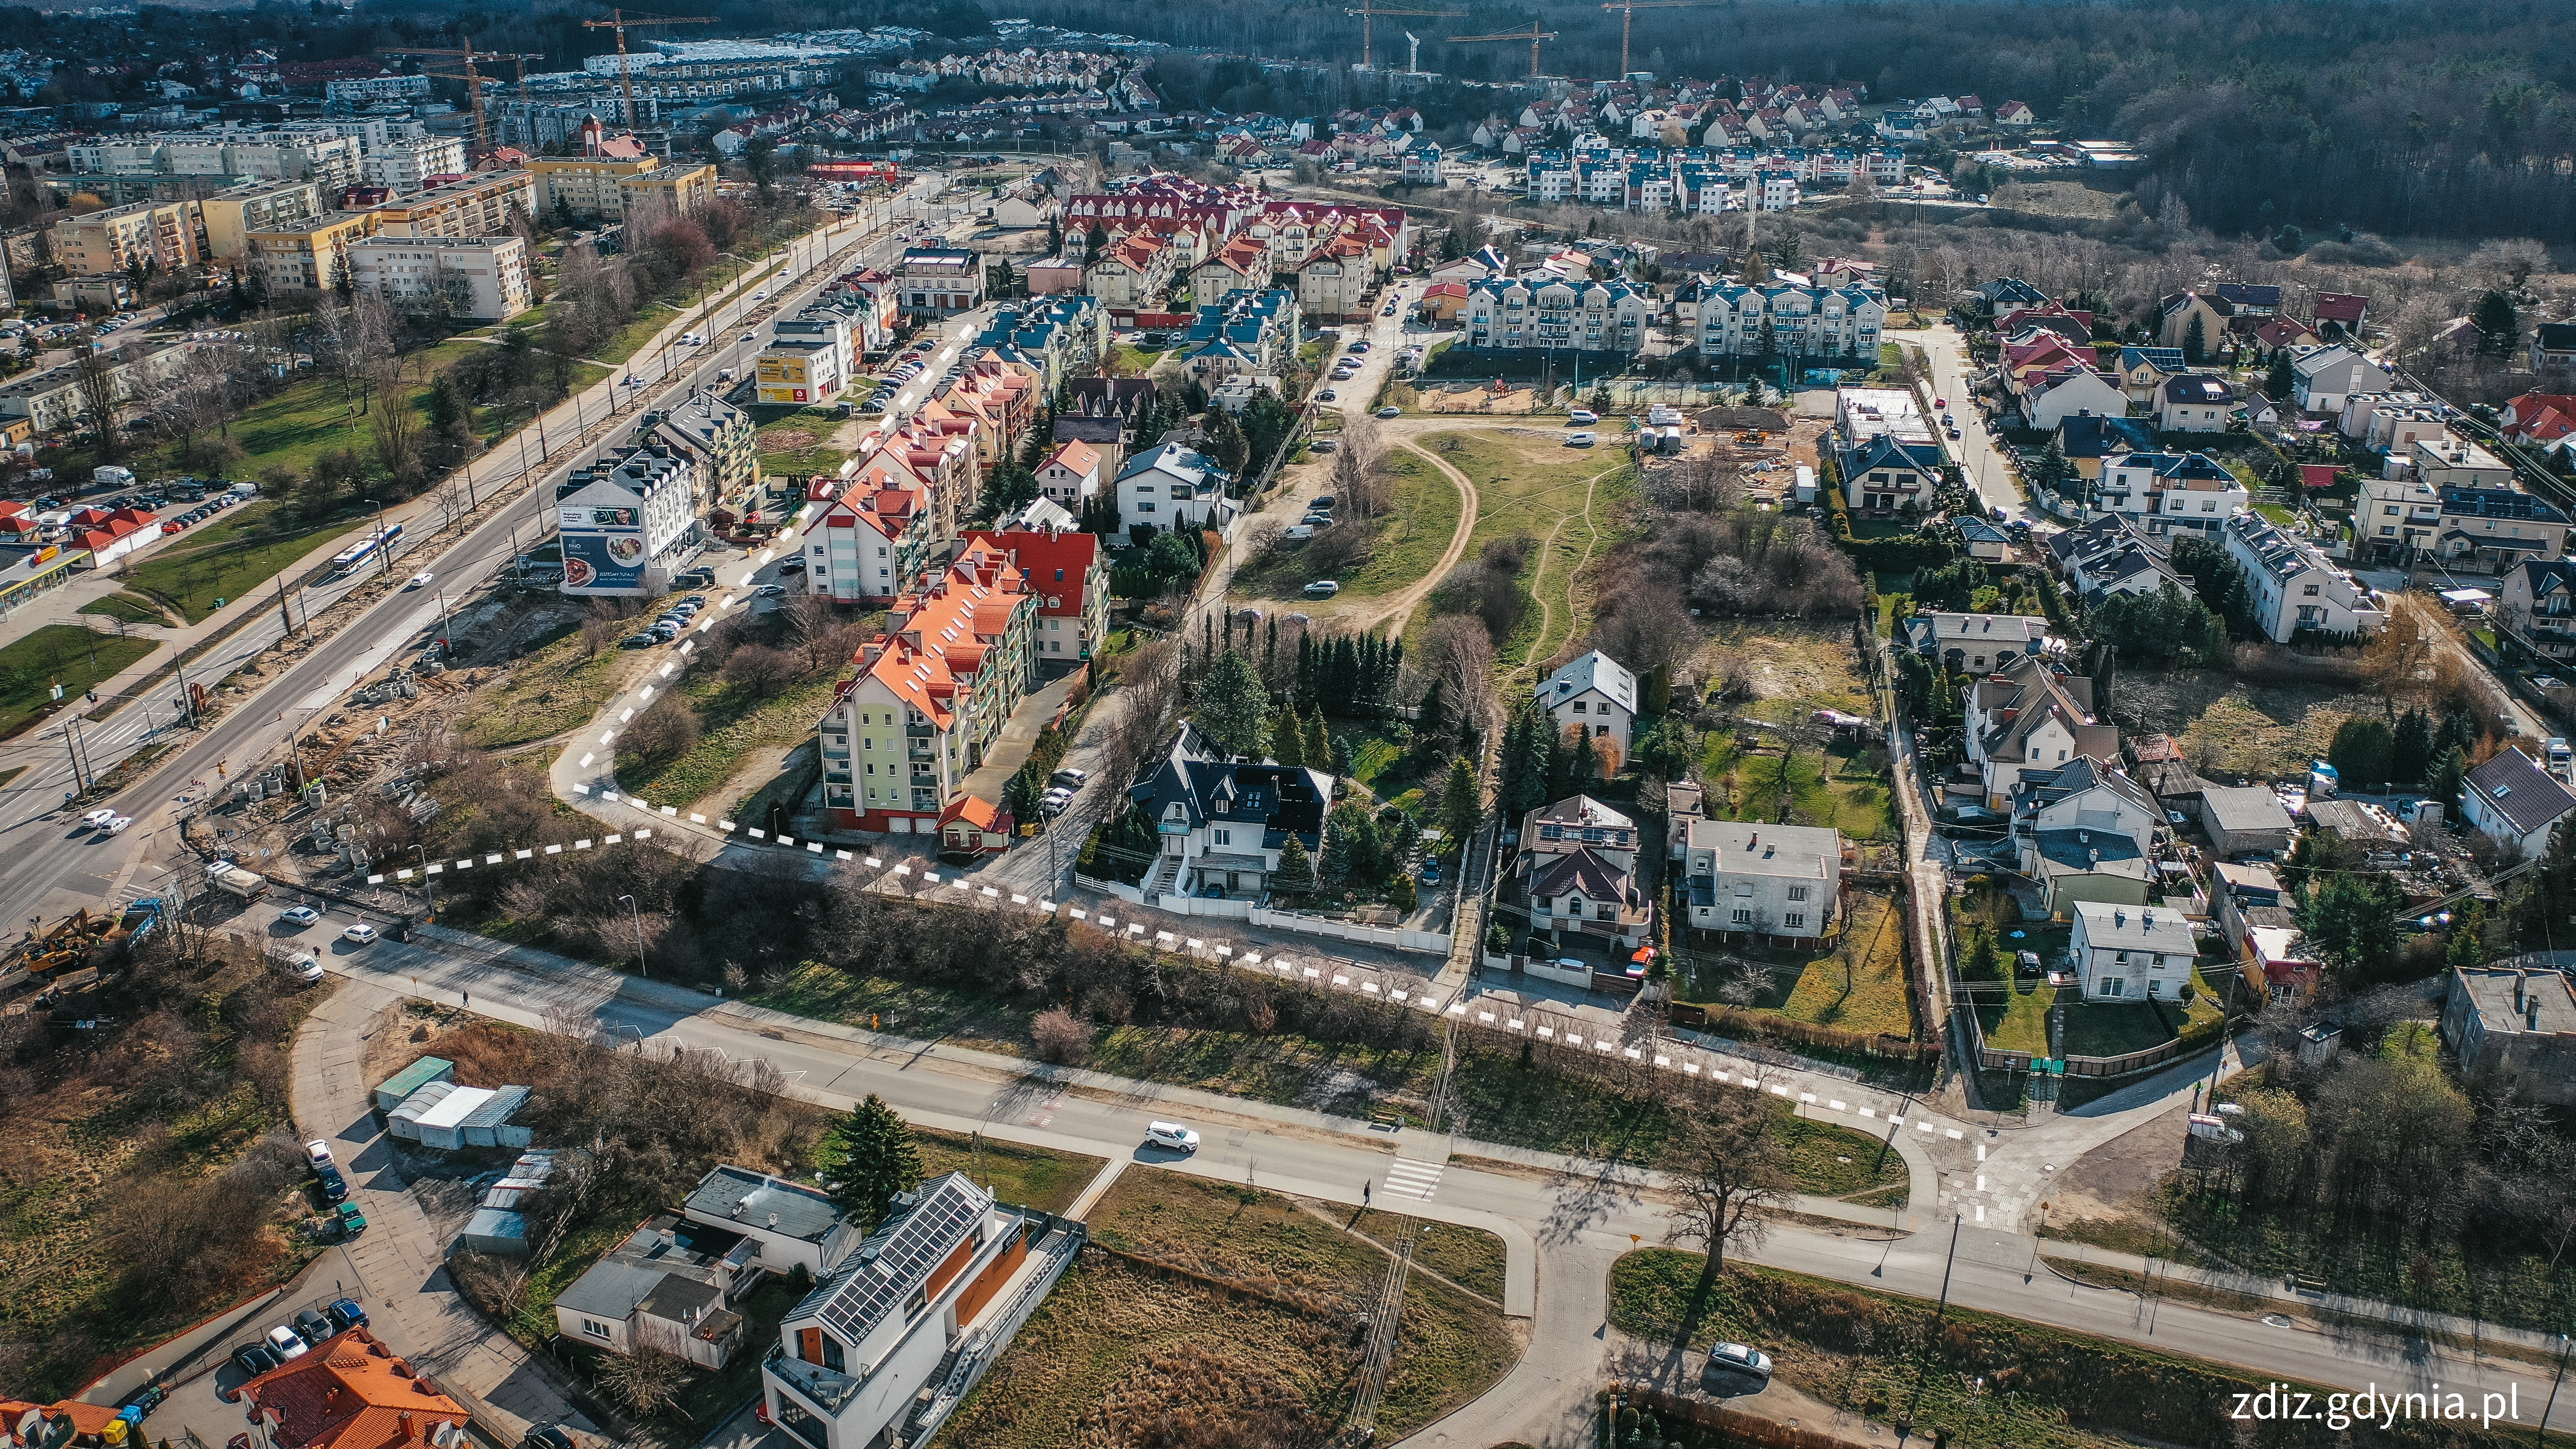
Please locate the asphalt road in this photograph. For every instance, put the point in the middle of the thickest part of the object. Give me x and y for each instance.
(1569, 1217)
(46, 866)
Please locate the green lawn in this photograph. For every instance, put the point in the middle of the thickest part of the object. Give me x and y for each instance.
(1414, 534)
(233, 555)
(797, 444)
(1861, 985)
(732, 723)
(622, 344)
(1576, 505)
(1826, 787)
(1034, 1177)
(126, 607)
(64, 654)
(2016, 1019)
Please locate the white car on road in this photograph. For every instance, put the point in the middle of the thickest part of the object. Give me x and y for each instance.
(361, 934)
(1172, 1136)
(299, 915)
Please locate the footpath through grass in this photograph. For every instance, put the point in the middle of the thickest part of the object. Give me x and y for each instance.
(1574, 503)
(64, 654)
(1221, 1314)
(1414, 534)
(551, 689)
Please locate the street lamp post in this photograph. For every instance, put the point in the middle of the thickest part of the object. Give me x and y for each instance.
(384, 550)
(428, 881)
(638, 911)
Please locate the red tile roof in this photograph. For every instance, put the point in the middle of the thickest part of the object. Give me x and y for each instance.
(350, 1392)
(1041, 556)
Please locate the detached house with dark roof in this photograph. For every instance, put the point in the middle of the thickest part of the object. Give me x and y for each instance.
(2553, 344)
(2536, 608)
(1882, 474)
(2195, 402)
(2032, 717)
(1223, 823)
(884, 1349)
(1596, 692)
(2163, 494)
(2514, 803)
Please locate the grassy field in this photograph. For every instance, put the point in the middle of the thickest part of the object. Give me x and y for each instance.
(1465, 1256)
(128, 608)
(551, 689)
(1873, 949)
(1972, 1378)
(64, 654)
(1035, 1177)
(2261, 727)
(1118, 1358)
(2092, 1028)
(1833, 786)
(795, 445)
(231, 556)
(732, 723)
(1409, 542)
(1575, 504)
(623, 343)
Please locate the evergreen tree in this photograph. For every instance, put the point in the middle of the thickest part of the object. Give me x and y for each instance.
(2540, 913)
(2195, 341)
(1319, 742)
(2281, 381)
(2499, 326)
(1983, 963)
(878, 1161)
(2458, 732)
(2412, 752)
(2351, 920)
(2467, 943)
(2443, 781)
(1225, 445)
(2361, 752)
(1462, 804)
(1342, 756)
(1287, 740)
(1232, 709)
(1430, 717)
(1296, 873)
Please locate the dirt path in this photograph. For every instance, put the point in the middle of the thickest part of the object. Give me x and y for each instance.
(1547, 548)
(1399, 609)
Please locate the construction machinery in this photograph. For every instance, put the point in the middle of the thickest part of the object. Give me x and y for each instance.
(618, 22)
(1628, 13)
(1368, 12)
(1533, 35)
(472, 78)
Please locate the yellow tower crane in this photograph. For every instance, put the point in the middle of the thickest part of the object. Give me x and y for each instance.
(618, 22)
(472, 78)
(1628, 13)
(1369, 10)
(1533, 35)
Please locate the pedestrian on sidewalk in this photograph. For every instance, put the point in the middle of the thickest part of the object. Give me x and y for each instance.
(1364, 1193)
(465, 1001)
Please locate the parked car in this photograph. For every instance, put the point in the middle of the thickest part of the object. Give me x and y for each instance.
(299, 915)
(1583, 417)
(253, 1359)
(305, 969)
(286, 1344)
(1317, 520)
(317, 1154)
(1171, 1136)
(313, 1327)
(352, 1221)
(1389, 412)
(1323, 589)
(637, 641)
(335, 1188)
(1579, 440)
(1070, 778)
(1735, 1368)
(1327, 395)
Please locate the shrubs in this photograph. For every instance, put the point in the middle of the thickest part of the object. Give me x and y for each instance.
(1060, 1037)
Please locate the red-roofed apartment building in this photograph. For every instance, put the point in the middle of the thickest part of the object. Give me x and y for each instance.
(351, 1392)
(931, 696)
(870, 546)
(1069, 572)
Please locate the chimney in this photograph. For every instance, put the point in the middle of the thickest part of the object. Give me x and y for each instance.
(2521, 991)
(404, 1419)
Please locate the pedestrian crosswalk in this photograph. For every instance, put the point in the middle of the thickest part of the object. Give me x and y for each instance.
(1415, 1180)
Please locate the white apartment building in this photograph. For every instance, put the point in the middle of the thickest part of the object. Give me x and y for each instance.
(1550, 313)
(484, 279)
(1801, 321)
(2294, 585)
(2163, 495)
(404, 164)
(627, 521)
(368, 90)
(1751, 879)
(287, 153)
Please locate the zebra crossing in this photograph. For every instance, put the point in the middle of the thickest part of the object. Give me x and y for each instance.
(1416, 1180)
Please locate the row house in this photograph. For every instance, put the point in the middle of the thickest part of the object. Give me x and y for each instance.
(2294, 586)
(1544, 313)
(2108, 556)
(1736, 320)
(1295, 228)
(1253, 331)
(931, 697)
(1242, 264)
(2165, 495)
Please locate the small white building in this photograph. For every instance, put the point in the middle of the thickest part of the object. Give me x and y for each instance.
(1596, 692)
(1171, 486)
(789, 1224)
(2515, 803)
(1776, 882)
(2131, 953)
(2294, 585)
(1070, 476)
(625, 522)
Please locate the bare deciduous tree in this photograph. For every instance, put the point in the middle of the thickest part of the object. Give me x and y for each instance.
(1729, 1175)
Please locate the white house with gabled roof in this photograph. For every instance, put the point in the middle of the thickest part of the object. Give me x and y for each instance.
(1596, 692)
(2131, 953)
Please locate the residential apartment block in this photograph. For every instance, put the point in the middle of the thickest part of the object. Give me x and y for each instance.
(612, 176)
(482, 279)
(1774, 319)
(2294, 585)
(486, 203)
(629, 518)
(1543, 312)
(234, 212)
(309, 255)
(168, 235)
(931, 697)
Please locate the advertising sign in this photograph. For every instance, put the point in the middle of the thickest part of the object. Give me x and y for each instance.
(604, 563)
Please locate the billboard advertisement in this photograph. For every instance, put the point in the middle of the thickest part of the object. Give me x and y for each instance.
(604, 563)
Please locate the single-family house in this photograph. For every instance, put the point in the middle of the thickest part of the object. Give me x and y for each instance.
(2514, 802)
(2536, 609)
(2087, 439)
(1586, 892)
(1596, 692)
(1975, 643)
(788, 1225)
(350, 1392)
(672, 1285)
(1580, 822)
(2032, 716)
(2553, 344)
(2236, 891)
(1982, 540)
(2143, 370)
(2513, 1032)
(2131, 953)
(1172, 485)
(2194, 402)
(2320, 380)
(2293, 585)
(2070, 392)
(1223, 823)
(1753, 881)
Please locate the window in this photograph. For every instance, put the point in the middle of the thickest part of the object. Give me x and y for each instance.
(1794, 920)
(1579, 707)
(1542, 904)
(1743, 916)
(1600, 730)
(1797, 893)
(2114, 986)
(1224, 837)
(594, 1328)
(2309, 592)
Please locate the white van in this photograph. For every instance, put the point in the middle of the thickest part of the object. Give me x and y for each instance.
(1578, 440)
(724, 374)
(1171, 1135)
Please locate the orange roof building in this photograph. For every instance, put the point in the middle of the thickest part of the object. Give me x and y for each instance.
(871, 545)
(1069, 572)
(352, 1392)
(931, 696)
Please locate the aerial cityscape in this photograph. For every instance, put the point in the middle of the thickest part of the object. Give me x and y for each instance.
(1679, 723)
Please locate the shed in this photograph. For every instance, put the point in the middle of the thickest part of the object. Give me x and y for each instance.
(443, 1125)
(410, 1079)
(491, 1230)
(489, 1124)
(404, 1120)
(2244, 818)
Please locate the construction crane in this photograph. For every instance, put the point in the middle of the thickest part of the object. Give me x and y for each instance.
(1533, 35)
(1628, 13)
(473, 80)
(618, 22)
(1368, 12)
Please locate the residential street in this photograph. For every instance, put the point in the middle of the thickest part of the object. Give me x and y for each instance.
(1560, 1231)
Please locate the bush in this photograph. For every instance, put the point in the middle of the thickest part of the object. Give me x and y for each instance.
(1061, 1037)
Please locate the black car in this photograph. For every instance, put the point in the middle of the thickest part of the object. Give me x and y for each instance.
(254, 1359)
(313, 1327)
(334, 1186)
